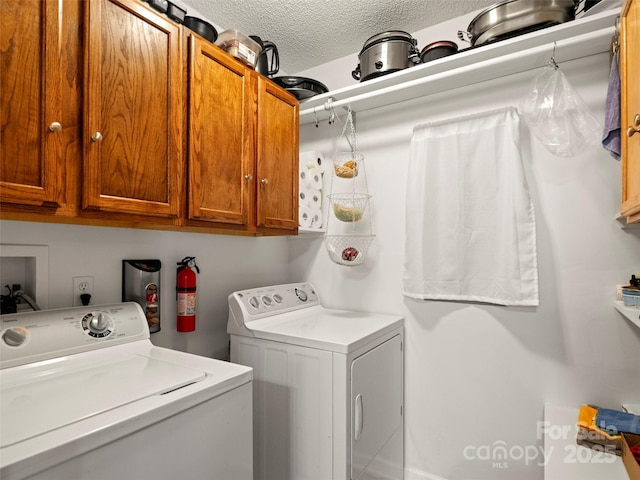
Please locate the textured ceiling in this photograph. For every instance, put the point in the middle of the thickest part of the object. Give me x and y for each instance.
(310, 33)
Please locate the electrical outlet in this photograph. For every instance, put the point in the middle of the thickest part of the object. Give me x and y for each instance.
(81, 285)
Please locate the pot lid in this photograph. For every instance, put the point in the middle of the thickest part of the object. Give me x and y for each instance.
(301, 87)
(388, 36)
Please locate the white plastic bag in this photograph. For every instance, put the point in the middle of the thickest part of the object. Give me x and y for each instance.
(558, 116)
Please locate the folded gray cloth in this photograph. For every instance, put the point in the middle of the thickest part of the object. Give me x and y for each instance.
(611, 134)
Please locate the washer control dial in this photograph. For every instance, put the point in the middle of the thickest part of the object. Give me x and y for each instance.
(266, 300)
(277, 298)
(254, 302)
(97, 324)
(301, 294)
(16, 336)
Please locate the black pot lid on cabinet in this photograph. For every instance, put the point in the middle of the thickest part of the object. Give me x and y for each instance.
(301, 87)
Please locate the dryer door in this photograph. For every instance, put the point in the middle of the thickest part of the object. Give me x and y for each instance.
(376, 403)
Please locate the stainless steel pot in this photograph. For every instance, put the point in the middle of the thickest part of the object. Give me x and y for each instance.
(384, 53)
(515, 17)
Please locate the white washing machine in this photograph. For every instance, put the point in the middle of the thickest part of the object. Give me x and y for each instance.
(85, 395)
(328, 385)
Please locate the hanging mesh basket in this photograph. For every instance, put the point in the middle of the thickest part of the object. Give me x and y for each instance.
(345, 164)
(349, 207)
(348, 250)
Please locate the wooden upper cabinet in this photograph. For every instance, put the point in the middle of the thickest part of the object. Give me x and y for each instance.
(220, 137)
(133, 110)
(31, 167)
(630, 113)
(243, 145)
(106, 121)
(277, 159)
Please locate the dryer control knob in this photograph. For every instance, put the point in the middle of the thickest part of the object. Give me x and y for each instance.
(14, 337)
(254, 302)
(301, 294)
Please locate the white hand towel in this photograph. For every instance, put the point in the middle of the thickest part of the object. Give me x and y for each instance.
(470, 223)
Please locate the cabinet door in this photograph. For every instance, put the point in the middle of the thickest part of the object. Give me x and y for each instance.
(277, 160)
(133, 112)
(220, 126)
(630, 71)
(30, 108)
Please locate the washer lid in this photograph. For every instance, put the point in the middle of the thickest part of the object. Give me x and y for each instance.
(48, 395)
(340, 331)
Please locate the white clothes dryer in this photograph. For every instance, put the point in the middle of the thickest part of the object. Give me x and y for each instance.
(85, 395)
(328, 385)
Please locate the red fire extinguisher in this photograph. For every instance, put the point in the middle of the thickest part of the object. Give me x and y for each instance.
(186, 294)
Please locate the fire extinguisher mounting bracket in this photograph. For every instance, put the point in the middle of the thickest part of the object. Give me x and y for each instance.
(188, 262)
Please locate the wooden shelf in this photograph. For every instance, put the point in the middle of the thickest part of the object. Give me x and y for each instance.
(576, 39)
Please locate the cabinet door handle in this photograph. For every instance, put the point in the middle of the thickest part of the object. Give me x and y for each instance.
(264, 181)
(55, 127)
(96, 137)
(636, 123)
(248, 176)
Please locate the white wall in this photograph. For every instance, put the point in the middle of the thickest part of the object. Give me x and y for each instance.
(227, 264)
(478, 375)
